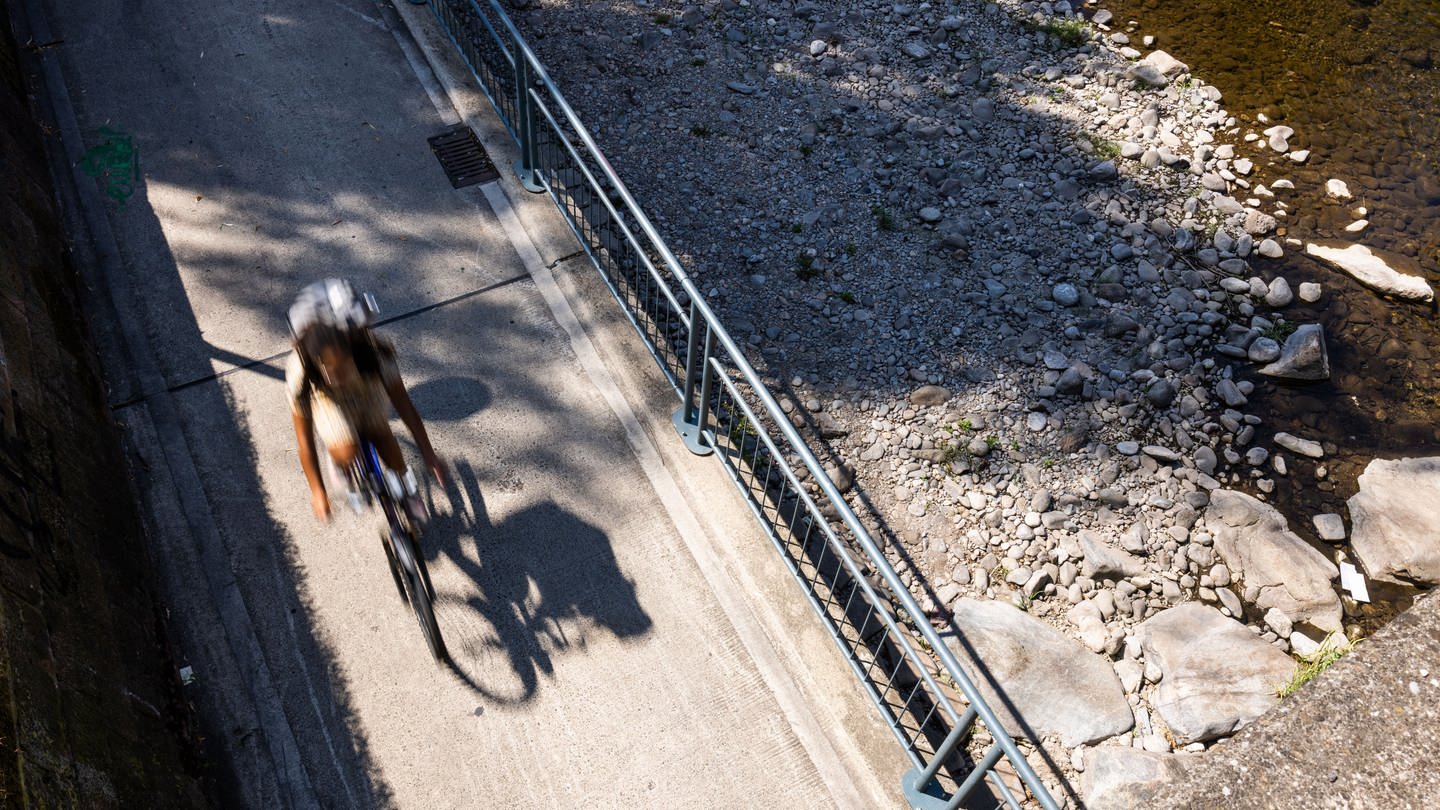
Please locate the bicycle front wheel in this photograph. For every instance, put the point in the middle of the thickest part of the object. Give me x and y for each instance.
(418, 592)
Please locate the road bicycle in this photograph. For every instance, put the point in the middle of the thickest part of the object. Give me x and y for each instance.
(373, 484)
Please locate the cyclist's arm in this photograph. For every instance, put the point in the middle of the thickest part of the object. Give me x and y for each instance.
(400, 398)
(309, 457)
(298, 395)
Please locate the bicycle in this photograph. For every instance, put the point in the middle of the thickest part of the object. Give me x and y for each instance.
(400, 539)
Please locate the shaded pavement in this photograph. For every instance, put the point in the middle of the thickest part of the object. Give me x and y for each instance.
(246, 148)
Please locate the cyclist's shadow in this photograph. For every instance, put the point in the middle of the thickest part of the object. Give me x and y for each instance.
(534, 585)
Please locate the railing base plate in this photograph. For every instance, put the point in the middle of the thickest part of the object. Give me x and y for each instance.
(923, 797)
(528, 178)
(691, 434)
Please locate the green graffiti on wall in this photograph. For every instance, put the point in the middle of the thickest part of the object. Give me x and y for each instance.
(113, 164)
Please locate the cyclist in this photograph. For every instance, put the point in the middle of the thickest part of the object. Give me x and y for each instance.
(342, 379)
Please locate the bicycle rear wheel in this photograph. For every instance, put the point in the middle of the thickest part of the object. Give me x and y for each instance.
(418, 592)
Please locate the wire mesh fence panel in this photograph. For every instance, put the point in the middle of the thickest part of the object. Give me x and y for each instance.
(476, 35)
(888, 642)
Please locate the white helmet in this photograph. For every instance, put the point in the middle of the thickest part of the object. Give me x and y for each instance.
(333, 301)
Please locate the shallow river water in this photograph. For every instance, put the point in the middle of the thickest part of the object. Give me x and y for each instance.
(1359, 82)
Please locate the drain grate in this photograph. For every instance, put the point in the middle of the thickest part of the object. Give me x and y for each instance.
(462, 157)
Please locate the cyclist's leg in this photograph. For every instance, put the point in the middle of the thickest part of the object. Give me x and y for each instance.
(388, 447)
(336, 431)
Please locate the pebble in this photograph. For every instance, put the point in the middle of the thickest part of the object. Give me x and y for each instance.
(1065, 294)
(1330, 527)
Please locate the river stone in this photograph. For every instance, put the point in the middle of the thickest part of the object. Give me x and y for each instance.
(1295, 444)
(1329, 526)
(1263, 350)
(1065, 294)
(928, 395)
(1393, 530)
(1129, 777)
(1373, 271)
(1303, 357)
(1104, 562)
(1277, 568)
(1278, 294)
(1050, 684)
(1218, 676)
(1165, 63)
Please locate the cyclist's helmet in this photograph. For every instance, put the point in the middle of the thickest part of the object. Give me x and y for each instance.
(333, 301)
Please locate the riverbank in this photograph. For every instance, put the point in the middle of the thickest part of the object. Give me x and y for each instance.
(1018, 275)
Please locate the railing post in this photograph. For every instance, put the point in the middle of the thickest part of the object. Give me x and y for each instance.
(526, 167)
(690, 420)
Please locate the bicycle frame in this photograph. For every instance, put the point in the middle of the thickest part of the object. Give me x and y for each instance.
(412, 577)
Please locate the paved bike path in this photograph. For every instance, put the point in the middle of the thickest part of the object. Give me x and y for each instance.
(597, 664)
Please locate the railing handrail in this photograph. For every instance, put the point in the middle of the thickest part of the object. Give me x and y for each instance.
(739, 363)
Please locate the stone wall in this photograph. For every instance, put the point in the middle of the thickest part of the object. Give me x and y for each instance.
(91, 711)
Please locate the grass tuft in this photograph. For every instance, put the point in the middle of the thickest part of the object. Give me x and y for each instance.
(1331, 650)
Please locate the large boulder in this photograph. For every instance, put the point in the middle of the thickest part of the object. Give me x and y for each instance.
(1373, 271)
(1303, 357)
(1394, 532)
(1035, 678)
(1216, 675)
(1277, 569)
(1129, 777)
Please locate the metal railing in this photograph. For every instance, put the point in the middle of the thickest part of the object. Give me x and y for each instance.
(727, 410)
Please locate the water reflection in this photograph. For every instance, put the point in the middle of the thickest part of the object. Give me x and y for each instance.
(1358, 83)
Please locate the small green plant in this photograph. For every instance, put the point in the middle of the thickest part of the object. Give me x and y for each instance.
(797, 228)
(662, 19)
(883, 218)
(999, 573)
(1278, 332)
(1014, 446)
(992, 441)
(806, 149)
(1072, 32)
(953, 452)
(1047, 462)
(965, 424)
(850, 249)
(805, 266)
(697, 62)
(1331, 650)
(700, 131)
(847, 296)
(1103, 148)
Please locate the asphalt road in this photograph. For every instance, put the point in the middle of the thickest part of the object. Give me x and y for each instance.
(621, 635)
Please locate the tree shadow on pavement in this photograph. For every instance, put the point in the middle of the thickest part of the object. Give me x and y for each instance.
(540, 581)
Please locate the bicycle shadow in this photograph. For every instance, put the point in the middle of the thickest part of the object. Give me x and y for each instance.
(543, 579)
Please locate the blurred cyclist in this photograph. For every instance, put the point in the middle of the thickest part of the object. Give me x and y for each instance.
(342, 380)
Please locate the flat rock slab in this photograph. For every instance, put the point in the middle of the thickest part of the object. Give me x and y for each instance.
(1276, 567)
(1373, 271)
(1033, 670)
(1129, 777)
(1394, 532)
(1105, 562)
(1216, 675)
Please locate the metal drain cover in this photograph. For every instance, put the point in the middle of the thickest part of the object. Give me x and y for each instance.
(462, 157)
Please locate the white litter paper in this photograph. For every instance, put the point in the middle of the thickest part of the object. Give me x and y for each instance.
(1354, 582)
